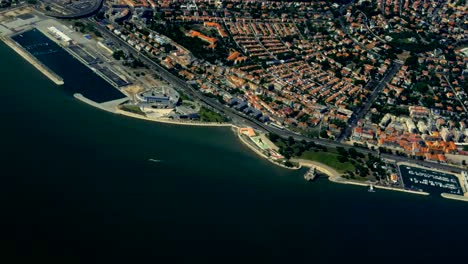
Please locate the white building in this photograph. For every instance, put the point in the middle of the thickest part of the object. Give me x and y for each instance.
(60, 35)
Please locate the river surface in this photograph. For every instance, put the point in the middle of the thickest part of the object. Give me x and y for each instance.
(77, 187)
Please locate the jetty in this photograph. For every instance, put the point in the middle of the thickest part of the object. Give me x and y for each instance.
(32, 60)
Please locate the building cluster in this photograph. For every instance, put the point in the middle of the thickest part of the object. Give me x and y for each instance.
(423, 133)
(292, 64)
(422, 111)
(444, 18)
(282, 68)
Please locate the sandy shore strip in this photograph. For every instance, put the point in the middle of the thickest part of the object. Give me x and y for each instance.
(33, 61)
(235, 128)
(335, 176)
(170, 121)
(329, 171)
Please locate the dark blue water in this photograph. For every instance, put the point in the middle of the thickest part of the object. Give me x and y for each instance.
(77, 188)
(77, 77)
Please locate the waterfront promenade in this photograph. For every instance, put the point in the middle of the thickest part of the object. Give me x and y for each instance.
(171, 121)
(336, 177)
(259, 152)
(32, 60)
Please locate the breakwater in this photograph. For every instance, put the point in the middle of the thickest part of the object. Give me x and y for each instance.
(33, 60)
(454, 197)
(88, 101)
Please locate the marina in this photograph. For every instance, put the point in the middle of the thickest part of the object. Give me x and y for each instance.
(50, 54)
(30, 57)
(432, 181)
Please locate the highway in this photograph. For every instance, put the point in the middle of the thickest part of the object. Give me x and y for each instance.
(244, 120)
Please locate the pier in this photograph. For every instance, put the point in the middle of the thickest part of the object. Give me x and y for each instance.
(33, 60)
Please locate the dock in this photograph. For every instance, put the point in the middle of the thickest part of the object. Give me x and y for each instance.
(33, 60)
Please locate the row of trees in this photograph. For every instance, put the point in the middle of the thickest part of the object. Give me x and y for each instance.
(292, 148)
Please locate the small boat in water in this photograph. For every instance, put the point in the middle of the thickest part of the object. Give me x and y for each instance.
(371, 188)
(154, 160)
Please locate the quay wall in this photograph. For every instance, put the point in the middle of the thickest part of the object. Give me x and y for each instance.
(33, 60)
(454, 197)
(261, 154)
(335, 176)
(90, 102)
(169, 121)
(344, 181)
(78, 57)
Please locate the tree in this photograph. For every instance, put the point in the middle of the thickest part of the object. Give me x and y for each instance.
(342, 159)
(342, 151)
(273, 137)
(324, 134)
(118, 54)
(353, 152)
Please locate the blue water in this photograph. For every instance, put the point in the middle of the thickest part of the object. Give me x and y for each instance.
(77, 187)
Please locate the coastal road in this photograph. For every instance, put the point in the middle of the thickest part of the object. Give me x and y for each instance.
(242, 119)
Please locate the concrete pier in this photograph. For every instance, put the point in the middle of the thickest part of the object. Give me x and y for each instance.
(33, 60)
(90, 102)
(455, 197)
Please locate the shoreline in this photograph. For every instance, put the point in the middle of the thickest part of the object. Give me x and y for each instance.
(32, 60)
(258, 152)
(335, 176)
(169, 121)
(138, 116)
(172, 122)
(454, 197)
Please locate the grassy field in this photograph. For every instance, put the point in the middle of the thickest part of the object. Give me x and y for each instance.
(329, 159)
(133, 109)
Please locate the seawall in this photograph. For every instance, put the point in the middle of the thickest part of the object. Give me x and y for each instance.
(168, 121)
(90, 102)
(258, 152)
(332, 173)
(335, 176)
(344, 181)
(33, 60)
(454, 197)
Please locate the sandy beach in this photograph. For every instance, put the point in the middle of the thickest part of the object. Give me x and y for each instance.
(329, 171)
